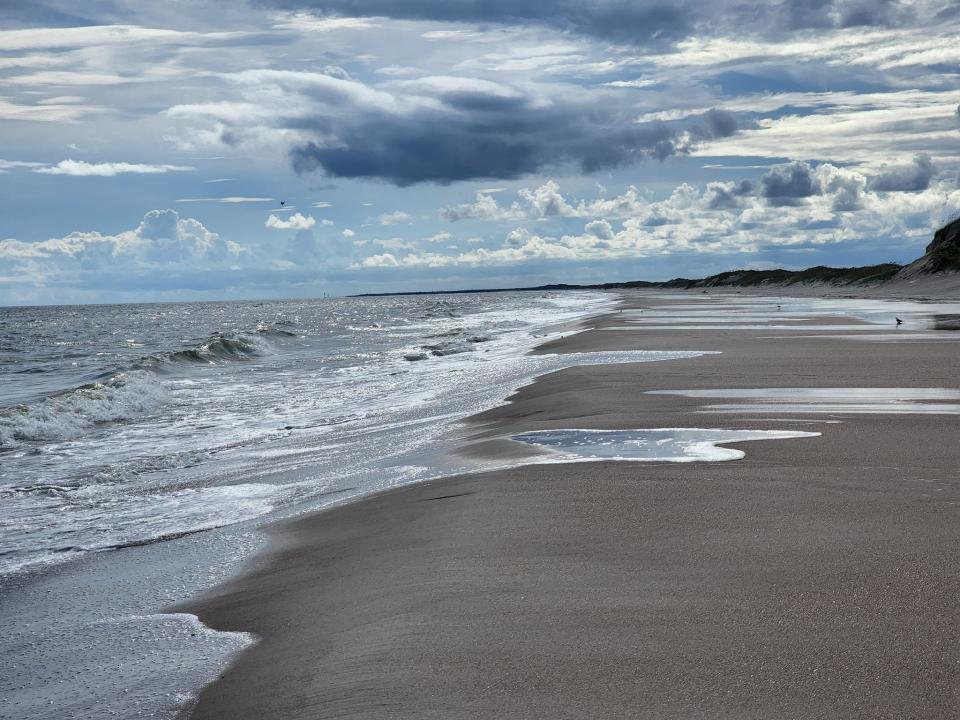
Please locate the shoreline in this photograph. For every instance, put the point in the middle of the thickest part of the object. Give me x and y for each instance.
(414, 602)
(71, 621)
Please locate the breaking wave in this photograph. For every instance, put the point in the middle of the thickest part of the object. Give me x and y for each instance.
(450, 342)
(219, 347)
(131, 393)
(124, 396)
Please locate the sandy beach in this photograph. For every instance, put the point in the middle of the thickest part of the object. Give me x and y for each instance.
(814, 578)
(480, 360)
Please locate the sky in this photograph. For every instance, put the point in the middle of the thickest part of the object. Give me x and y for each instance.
(197, 150)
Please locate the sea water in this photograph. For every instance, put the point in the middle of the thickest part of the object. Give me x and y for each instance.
(142, 446)
(652, 445)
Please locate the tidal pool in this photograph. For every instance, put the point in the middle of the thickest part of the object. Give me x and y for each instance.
(886, 401)
(651, 445)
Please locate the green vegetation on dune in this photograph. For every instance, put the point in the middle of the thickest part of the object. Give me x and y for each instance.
(820, 275)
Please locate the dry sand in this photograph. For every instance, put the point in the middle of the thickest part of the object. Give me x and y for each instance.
(816, 578)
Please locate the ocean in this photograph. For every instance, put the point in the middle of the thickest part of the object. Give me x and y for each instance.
(126, 424)
(143, 446)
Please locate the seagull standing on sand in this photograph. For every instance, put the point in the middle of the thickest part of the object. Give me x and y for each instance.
(899, 321)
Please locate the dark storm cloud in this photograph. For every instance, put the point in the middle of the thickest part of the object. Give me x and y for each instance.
(622, 20)
(479, 135)
(906, 178)
(874, 12)
(789, 184)
(798, 14)
(438, 149)
(720, 123)
(631, 22)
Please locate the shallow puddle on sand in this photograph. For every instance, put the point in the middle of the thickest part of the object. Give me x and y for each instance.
(885, 401)
(653, 445)
(891, 337)
(751, 313)
(727, 326)
(653, 316)
(840, 408)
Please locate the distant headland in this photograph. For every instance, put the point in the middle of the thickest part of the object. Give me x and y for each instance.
(942, 257)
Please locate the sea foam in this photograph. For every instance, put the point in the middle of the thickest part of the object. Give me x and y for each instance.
(123, 396)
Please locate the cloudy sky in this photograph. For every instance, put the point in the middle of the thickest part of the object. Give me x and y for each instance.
(145, 147)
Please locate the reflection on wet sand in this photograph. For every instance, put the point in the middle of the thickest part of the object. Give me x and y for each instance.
(886, 401)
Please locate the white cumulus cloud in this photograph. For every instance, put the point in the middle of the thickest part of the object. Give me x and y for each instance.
(80, 168)
(162, 238)
(296, 221)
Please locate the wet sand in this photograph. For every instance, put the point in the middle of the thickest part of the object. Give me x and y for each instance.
(815, 578)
